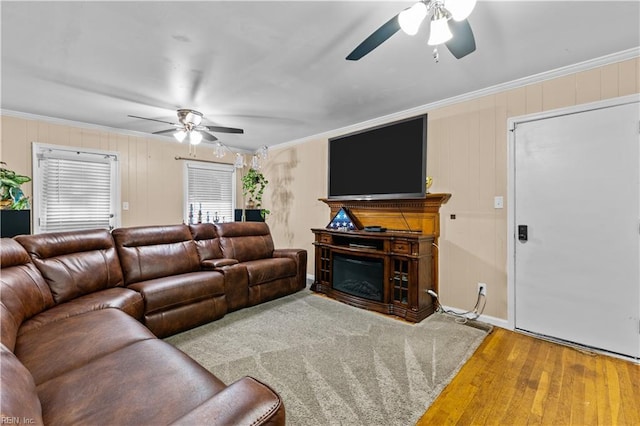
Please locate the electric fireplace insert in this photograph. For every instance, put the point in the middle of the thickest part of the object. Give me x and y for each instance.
(358, 276)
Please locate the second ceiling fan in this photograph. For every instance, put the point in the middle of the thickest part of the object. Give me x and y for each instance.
(449, 25)
(189, 127)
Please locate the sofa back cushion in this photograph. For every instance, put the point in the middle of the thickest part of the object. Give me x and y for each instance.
(149, 252)
(245, 241)
(19, 403)
(206, 240)
(75, 263)
(23, 291)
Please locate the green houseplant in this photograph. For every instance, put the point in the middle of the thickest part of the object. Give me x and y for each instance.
(12, 197)
(253, 185)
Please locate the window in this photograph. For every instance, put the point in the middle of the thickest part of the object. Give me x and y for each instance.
(210, 192)
(74, 189)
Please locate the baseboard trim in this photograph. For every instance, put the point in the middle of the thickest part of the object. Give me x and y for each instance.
(498, 322)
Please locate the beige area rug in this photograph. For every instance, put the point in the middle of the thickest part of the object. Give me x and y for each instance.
(334, 364)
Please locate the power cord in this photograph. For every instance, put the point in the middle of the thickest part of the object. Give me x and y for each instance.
(462, 317)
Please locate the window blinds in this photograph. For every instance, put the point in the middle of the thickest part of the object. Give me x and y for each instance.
(75, 191)
(210, 193)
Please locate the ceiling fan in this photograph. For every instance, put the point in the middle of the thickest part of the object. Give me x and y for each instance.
(449, 25)
(189, 126)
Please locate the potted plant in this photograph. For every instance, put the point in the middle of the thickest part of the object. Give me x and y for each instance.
(253, 185)
(12, 197)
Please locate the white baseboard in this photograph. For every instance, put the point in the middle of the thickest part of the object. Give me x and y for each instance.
(498, 322)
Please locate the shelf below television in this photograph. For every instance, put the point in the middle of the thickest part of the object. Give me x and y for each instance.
(420, 215)
(413, 228)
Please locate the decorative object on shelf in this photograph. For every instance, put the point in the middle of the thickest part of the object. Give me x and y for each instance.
(253, 185)
(12, 196)
(342, 221)
(429, 183)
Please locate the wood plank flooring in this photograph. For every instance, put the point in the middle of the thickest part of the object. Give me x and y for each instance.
(516, 379)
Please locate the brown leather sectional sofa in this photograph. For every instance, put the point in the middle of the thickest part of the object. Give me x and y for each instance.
(82, 313)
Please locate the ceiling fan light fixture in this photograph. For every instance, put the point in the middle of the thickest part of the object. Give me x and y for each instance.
(460, 9)
(195, 137)
(411, 18)
(440, 32)
(189, 117)
(180, 135)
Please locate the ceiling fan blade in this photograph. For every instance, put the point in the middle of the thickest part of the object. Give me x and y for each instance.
(223, 129)
(152, 119)
(462, 43)
(162, 132)
(208, 136)
(378, 37)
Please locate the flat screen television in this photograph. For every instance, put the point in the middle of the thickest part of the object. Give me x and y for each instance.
(383, 162)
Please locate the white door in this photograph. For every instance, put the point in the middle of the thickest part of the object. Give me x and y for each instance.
(577, 190)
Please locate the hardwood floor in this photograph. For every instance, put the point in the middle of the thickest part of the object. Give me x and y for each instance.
(516, 379)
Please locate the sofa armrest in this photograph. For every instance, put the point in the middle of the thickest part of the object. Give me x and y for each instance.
(217, 263)
(295, 254)
(245, 402)
(300, 257)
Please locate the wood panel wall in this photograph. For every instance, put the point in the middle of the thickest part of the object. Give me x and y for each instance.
(467, 157)
(151, 178)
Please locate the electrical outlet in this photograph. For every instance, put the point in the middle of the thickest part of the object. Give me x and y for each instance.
(482, 289)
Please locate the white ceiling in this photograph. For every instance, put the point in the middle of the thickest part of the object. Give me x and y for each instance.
(276, 69)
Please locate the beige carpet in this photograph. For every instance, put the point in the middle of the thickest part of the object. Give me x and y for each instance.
(334, 364)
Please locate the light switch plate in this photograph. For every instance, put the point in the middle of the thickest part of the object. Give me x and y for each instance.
(498, 202)
(125, 205)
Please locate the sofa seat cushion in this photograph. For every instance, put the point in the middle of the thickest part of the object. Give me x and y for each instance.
(62, 346)
(19, 401)
(265, 270)
(177, 290)
(127, 300)
(146, 383)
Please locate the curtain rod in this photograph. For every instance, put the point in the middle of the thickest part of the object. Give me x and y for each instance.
(197, 159)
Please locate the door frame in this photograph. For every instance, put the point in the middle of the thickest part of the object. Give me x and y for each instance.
(512, 123)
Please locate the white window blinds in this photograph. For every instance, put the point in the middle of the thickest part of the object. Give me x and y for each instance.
(74, 190)
(210, 192)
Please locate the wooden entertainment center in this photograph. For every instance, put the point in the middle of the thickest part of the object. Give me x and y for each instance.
(407, 254)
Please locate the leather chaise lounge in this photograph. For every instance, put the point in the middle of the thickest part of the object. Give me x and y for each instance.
(82, 312)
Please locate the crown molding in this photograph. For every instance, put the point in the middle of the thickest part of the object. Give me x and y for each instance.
(492, 90)
(97, 127)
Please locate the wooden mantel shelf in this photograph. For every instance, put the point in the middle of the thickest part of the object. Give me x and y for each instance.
(419, 215)
(430, 201)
